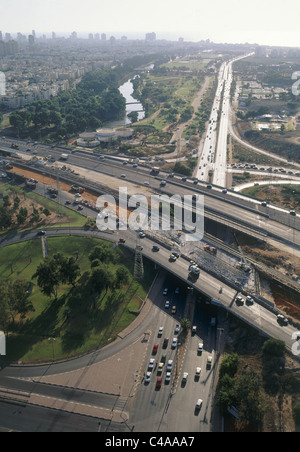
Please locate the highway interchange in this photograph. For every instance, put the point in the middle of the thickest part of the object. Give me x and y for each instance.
(154, 409)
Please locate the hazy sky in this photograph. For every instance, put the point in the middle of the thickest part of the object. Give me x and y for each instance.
(263, 21)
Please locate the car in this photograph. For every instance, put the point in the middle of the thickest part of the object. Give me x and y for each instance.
(174, 309)
(155, 349)
(282, 320)
(177, 329)
(293, 213)
(177, 291)
(151, 364)
(198, 372)
(123, 176)
(166, 342)
(170, 365)
(168, 377)
(142, 235)
(209, 362)
(185, 377)
(159, 382)
(194, 329)
(163, 358)
(122, 240)
(41, 233)
(160, 331)
(147, 377)
(249, 300)
(174, 342)
(167, 304)
(240, 300)
(200, 347)
(160, 367)
(199, 404)
(172, 258)
(68, 202)
(155, 248)
(165, 292)
(78, 195)
(146, 183)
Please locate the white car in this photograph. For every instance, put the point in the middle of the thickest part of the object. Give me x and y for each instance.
(185, 377)
(200, 347)
(148, 377)
(240, 300)
(198, 372)
(160, 331)
(78, 195)
(151, 363)
(209, 362)
(168, 377)
(167, 304)
(199, 404)
(170, 365)
(174, 342)
(249, 300)
(177, 329)
(165, 292)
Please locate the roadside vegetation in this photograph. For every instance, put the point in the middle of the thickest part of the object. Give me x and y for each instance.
(22, 209)
(258, 383)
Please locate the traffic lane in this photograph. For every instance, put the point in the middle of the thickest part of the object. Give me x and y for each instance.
(151, 402)
(264, 321)
(188, 418)
(141, 175)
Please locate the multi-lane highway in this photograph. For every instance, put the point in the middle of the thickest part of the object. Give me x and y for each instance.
(234, 206)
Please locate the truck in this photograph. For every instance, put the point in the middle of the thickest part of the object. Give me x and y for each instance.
(210, 249)
(30, 184)
(52, 190)
(64, 157)
(155, 170)
(77, 189)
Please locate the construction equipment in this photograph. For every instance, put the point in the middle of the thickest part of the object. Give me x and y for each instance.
(244, 264)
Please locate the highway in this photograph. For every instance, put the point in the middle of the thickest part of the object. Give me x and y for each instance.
(240, 209)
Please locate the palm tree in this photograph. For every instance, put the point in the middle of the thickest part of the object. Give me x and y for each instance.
(185, 324)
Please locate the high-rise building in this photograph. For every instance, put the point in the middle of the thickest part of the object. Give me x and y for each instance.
(151, 37)
(103, 37)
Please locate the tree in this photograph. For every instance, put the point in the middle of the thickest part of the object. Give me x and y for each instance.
(185, 324)
(55, 271)
(229, 365)
(274, 347)
(22, 215)
(15, 301)
(102, 279)
(5, 218)
(122, 275)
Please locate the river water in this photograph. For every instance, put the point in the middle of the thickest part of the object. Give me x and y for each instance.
(127, 90)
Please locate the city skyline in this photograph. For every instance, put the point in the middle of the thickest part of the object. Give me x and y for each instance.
(264, 23)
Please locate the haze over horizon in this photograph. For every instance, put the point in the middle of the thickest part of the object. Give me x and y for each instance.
(234, 21)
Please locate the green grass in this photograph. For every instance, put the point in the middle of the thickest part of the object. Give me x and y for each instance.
(79, 320)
